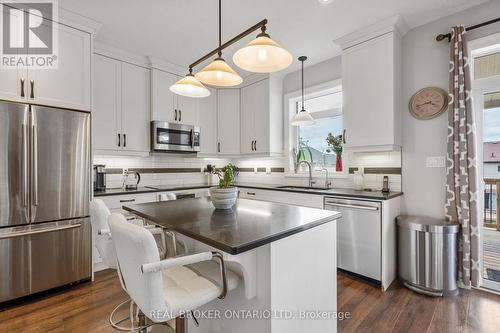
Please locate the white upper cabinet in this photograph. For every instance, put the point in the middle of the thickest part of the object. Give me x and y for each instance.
(228, 120)
(164, 102)
(187, 110)
(121, 110)
(106, 113)
(262, 118)
(67, 86)
(371, 71)
(167, 106)
(207, 121)
(135, 107)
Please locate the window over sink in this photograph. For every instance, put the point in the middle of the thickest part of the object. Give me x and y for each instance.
(325, 106)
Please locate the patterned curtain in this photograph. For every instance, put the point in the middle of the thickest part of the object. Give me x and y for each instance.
(461, 170)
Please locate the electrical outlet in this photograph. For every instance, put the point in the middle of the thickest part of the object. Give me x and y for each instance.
(435, 162)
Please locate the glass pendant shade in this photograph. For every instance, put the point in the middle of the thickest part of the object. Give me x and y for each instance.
(189, 86)
(218, 73)
(302, 118)
(262, 55)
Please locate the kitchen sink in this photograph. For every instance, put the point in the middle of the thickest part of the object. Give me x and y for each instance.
(303, 188)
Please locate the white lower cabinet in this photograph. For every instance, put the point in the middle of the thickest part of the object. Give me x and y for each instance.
(291, 198)
(121, 110)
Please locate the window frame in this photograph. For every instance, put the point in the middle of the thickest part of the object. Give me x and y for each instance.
(291, 132)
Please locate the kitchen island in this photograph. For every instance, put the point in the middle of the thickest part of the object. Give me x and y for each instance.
(284, 254)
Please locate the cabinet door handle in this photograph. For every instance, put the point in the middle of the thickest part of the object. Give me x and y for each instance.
(119, 140)
(175, 110)
(251, 193)
(255, 145)
(32, 86)
(343, 136)
(180, 115)
(218, 147)
(124, 140)
(22, 87)
(251, 145)
(127, 200)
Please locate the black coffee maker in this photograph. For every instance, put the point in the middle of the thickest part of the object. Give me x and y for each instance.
(99, 177)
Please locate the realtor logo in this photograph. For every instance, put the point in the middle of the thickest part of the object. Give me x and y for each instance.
(29, 34)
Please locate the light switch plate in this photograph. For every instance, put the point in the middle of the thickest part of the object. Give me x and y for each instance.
(435, 162)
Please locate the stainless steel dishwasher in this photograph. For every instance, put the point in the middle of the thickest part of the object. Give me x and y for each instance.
(359, 239)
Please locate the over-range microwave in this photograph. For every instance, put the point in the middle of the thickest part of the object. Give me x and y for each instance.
(173, 137)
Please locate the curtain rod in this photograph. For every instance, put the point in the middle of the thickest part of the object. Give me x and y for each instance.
(441, 37)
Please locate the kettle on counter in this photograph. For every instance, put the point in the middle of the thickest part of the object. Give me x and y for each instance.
(131, 180)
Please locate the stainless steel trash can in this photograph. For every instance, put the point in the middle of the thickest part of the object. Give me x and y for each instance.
(427, 255)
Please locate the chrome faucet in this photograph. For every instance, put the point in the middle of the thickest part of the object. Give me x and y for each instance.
(328, 182)
(311, 182)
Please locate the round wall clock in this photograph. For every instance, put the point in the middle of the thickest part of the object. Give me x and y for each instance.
(428, 103)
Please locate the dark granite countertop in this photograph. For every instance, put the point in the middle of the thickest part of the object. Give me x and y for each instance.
(248, 225)
(335, 192)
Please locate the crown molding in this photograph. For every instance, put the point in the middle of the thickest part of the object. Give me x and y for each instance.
(394, 24)
(119, 54)
(166, 66)
(78, 21)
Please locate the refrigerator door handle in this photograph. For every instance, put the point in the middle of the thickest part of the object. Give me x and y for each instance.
(34, 137)
(38, 231)
(25, 165)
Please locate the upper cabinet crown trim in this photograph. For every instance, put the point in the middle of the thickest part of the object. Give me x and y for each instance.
(79, 22)
(121, 55)
(393, 24)
(166, 66)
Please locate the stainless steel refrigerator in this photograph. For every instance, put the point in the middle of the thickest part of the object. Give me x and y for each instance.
(45, 231)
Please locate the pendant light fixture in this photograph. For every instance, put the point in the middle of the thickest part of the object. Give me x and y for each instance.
(302, 118)
(189, 86)
(219, 73)
(262, 55)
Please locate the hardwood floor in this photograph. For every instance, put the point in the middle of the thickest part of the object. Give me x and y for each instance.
(85, 308)
(401, 310)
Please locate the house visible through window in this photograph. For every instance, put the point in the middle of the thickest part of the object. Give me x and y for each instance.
(326, 109)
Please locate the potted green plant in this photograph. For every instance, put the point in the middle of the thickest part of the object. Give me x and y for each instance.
(335, 144)
(303, 153)
(224, 196)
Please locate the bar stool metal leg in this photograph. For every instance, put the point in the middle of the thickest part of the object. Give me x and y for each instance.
(180, 324)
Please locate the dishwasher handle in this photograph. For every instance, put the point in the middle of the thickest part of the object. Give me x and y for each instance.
(363, 207)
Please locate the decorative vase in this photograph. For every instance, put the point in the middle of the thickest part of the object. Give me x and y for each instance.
(338, 163)
(223, 198)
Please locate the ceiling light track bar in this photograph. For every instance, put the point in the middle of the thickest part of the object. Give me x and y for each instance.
(261, 25)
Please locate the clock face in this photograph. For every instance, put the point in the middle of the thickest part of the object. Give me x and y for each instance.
(428, 103)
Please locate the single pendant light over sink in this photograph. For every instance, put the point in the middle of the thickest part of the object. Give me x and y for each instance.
(189, 86)
(302, 118)
(219, 73)
(262, 55)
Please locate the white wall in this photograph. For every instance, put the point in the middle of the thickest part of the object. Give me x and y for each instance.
(425, 63)
(325, 71)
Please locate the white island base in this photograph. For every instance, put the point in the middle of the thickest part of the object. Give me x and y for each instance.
(287, 286)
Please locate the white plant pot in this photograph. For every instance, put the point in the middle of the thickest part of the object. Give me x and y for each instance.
(223, 198)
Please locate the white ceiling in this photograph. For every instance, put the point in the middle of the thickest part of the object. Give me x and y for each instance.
(180, 31)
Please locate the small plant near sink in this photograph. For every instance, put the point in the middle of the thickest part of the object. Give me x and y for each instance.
(335, 144)
(224, 196)
(302, 153)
